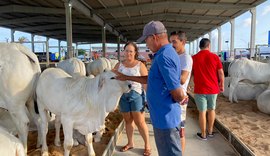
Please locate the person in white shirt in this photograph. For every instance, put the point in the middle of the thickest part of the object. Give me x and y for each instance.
(178, 41)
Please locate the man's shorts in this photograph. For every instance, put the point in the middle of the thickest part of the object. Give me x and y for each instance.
(205, 101)
(131, 102)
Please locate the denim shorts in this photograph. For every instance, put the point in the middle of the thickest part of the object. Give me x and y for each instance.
(131, 102)
(205, 101)
(168, 141)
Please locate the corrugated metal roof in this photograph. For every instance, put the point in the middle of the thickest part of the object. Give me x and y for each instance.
(121, 17)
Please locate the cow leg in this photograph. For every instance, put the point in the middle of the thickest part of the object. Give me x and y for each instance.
(97, 137)
(233, 83)
(57, 123)
(36, 118)
(78, 138)
(235, 98)
(68, 130)
(44, 128)
(20, 118)
(89, 143)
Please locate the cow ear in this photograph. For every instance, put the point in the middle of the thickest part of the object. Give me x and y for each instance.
(101, 82)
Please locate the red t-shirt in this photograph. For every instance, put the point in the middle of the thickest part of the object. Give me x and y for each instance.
(205, 71)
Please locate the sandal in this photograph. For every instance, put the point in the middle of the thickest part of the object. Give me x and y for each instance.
(125, 148)
(147, 152)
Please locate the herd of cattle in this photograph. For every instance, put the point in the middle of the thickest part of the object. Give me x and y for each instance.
(249, 80)
(78, 101)
(81, 103)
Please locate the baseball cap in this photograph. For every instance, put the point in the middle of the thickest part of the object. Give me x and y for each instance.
(153, 27)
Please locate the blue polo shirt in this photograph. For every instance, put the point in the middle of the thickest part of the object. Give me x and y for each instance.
(164, 76)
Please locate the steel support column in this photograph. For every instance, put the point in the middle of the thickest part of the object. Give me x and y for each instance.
(12, 35)
(118, 48)
(47, 52)
(253, 31)
(198, 44)
(103, 41)
(68, 9)
(232, 36)
(190, 43)
(32, 42)
(59, 50)
(194, 46)
(219, 39)
(210, 38)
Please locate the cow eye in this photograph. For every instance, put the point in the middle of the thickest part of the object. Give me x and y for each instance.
(112, 77)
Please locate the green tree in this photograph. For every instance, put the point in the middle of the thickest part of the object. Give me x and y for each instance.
(22, 39)
(81, 51)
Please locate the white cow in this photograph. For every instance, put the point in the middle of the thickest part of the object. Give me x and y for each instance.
(245, 69)
(73, 67)
(263, 101)
(9, 144)
(244, 90)
(19, 72)
(113, 62)
(7, 122)
(98, 66)
(76, 67)
(81, 103)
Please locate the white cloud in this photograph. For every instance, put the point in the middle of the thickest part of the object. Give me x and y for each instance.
(266, 10)
(247, 22)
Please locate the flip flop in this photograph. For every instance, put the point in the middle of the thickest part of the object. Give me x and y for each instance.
(147, 152)
(125, 148)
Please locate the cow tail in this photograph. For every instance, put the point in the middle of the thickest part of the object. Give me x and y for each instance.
(34, 92)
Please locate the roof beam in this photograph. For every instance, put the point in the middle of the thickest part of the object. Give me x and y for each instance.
(57, 26)
(169, 25)
(88, 13)
(59, 34)
(169, 30)
(40, 19)
(175, 4)
(30, 9)
(189, 37)
(75, 31)
(168, 16)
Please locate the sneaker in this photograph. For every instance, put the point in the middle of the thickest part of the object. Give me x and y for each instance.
(211, 135)
(199, 136)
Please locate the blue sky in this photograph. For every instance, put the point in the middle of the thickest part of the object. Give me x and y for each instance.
(242, 32)
(243, 26)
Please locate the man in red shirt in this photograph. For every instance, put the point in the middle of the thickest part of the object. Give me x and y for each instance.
(208, 82)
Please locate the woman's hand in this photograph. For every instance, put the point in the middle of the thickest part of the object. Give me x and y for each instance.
(119, 76)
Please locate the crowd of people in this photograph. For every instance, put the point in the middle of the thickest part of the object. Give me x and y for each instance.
(165, 88)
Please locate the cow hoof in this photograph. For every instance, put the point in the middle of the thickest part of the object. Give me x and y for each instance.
(45, 153)
(97, 139)
(38, 145)
(57, 143)
(75, 142)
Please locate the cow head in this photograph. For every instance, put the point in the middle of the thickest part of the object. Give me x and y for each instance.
(111, 89)
(107, 78)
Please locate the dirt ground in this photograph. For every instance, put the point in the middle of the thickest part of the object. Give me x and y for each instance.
(247, 122)
(112, 122)
(244, 120)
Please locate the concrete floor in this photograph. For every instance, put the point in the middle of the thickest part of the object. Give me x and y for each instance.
(216, 146)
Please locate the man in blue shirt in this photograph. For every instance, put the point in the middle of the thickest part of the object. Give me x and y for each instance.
(163, 89)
